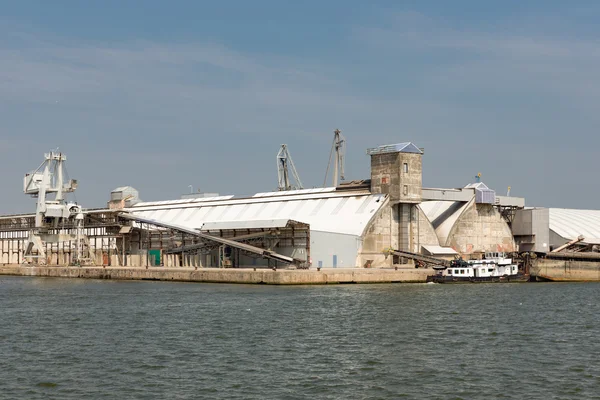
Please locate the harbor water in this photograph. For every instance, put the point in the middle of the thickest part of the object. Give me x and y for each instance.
(93, 339)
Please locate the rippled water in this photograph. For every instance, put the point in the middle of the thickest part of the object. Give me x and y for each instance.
(73, 339)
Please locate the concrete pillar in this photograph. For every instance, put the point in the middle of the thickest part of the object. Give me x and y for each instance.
(404, 226)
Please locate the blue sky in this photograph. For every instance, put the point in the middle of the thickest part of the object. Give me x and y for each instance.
(161, 95)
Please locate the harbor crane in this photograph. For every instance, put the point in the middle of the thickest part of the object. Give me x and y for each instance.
(339, 148)
(51, 214)
(285, 165)
(49, 178)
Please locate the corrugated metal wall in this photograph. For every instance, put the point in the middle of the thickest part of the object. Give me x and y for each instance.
(333, 250)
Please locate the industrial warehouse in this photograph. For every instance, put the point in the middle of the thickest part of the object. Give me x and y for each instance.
(372, 223)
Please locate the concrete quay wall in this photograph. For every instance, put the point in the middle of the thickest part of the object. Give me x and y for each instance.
(566, 270)
(221, 275)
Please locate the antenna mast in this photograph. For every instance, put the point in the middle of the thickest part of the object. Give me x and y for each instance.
(339, 147)
(284, 165)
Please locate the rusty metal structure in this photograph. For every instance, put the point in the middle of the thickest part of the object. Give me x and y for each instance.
(118, 238)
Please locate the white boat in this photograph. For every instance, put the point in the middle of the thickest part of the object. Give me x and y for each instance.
(493, 267)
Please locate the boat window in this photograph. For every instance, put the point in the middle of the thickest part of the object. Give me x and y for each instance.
(462, 271)
(456, 271)
(490, 269)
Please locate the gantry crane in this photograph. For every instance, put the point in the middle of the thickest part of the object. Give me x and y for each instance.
(49, 178)
(50, 214)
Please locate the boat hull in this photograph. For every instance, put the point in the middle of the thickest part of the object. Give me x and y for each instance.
(520, 278)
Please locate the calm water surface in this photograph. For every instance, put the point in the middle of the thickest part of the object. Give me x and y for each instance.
(74, 339)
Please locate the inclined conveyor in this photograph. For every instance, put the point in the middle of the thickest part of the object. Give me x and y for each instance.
(269, 254)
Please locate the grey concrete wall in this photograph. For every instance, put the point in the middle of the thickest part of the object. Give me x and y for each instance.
(522, 223)
(223, 275)
(480, 229)
(388, 176)
(385, 177)
(405, 226)
(423, 232)
(379, 235)
(411, 182)
(554, 240)
(386, 232)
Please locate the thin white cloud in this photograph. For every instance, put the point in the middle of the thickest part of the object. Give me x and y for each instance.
(490, 62)
(53, 69)
(171, 113)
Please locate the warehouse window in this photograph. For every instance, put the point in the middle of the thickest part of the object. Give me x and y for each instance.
(406, 168)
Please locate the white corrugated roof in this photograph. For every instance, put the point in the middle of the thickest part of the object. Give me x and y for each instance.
(433, 209)
(570, 223)
(443, 215)
(295, 192)
(181, 201)
(439, 250)
(477, 185)
(346, 212)
(225, 225)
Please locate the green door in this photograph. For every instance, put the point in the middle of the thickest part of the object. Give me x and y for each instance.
(154, 257)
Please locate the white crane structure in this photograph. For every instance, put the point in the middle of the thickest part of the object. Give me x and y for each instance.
(339, 148)
(285, 165)
(49, 179)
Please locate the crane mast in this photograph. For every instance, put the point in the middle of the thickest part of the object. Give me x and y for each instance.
(339, 148)
(285, 165)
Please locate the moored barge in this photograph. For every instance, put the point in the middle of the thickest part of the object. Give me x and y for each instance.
(493, 268)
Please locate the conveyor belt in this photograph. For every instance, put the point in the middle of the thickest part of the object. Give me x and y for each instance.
(422, 258)
(232, 243)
